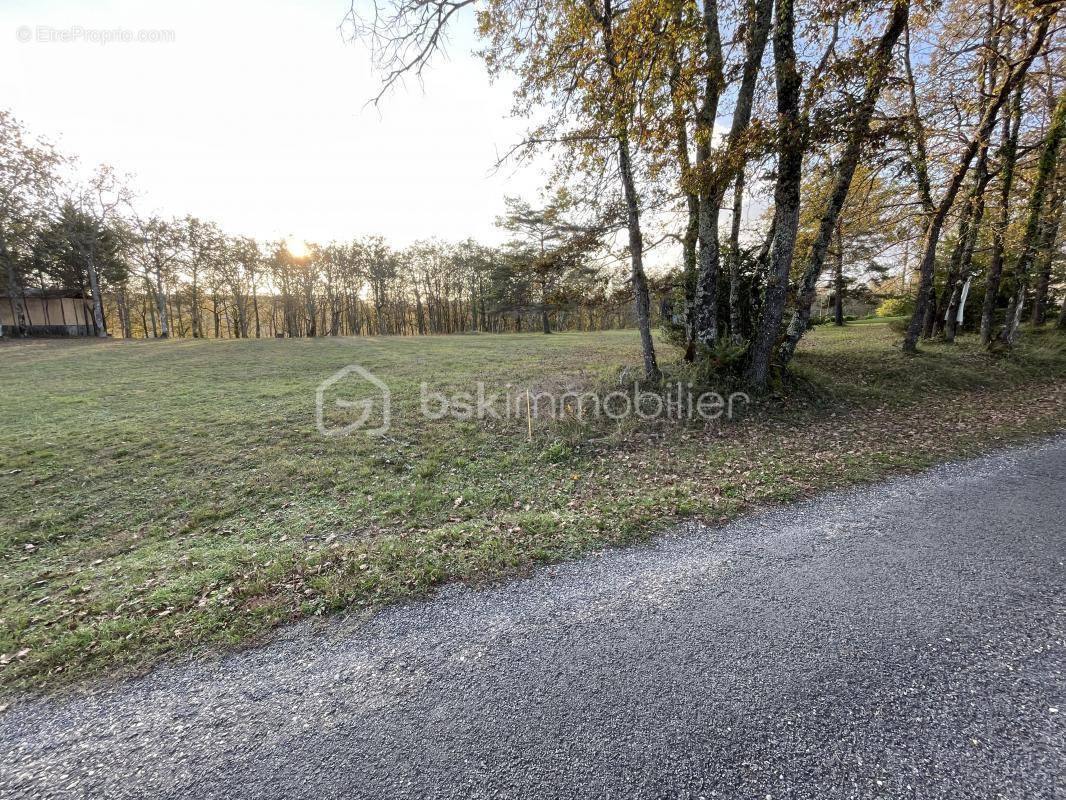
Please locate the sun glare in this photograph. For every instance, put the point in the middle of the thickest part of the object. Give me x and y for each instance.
(296, 247)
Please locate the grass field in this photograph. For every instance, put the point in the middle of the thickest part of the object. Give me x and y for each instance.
(162, 497)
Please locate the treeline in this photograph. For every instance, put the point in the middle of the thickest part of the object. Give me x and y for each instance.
(877, 133)
(150, 276)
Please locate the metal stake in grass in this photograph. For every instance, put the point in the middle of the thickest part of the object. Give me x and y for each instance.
(529, 419)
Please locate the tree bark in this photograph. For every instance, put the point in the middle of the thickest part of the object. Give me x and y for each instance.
(838, 283)
(736, 335)
(181, 320)
(145, 307)
(692, 202)
(194, 306)
(1049, 235)
(931, 312)
(706, 316)
(786, 193)
(688, 250)
(148, 291)
(920, 156)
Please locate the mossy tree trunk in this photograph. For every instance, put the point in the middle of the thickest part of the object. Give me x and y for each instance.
(1045, 173)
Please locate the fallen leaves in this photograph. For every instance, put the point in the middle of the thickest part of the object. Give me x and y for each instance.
(6, 658)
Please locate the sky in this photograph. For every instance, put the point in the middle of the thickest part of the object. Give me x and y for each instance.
(255, 115)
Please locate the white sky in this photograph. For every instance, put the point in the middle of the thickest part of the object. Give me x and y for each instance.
(254, 117)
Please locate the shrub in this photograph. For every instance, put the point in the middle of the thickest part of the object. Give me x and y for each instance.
(895, 307)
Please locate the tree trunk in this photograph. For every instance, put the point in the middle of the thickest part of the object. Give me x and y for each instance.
(973, 214)
(194, 309)
(920, 156)
(838, 283)
(216, 316)
(931, 312)
(144, 314)
(845, 171)
(1049, 235)
(953, 284)
(641, 301)
(124, 313)
(688, 250)
(148, 291)
(14, 289)
(629, 188)
(714, 183)
(706, 322)
(936, 223)
(736, 335)
(181, 320)
(98, 300)
(962, 255)
(255, 310)
(1011, 125)
(161, 304)
(420, 321)
(692, 203)
(1045, 173)
(786, 192)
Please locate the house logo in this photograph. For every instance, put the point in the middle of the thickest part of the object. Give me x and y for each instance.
(360, 401)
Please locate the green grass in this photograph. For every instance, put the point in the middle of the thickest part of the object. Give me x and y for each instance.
(168, 497)
(876, 320)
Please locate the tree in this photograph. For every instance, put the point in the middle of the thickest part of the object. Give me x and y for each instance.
(27, 183)
(858, 134)
(67, 248)
(378, 263)
(786, 191)
(973, 211)
(940, 211)
(1012, 122)
(160, 245)
(204, 245)
(549, 254)
(586, 63)
(714, 179)
(1049, 233)
(1045, 174)
(102, 200)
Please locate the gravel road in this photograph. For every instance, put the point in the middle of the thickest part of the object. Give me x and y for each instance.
(903, 640)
